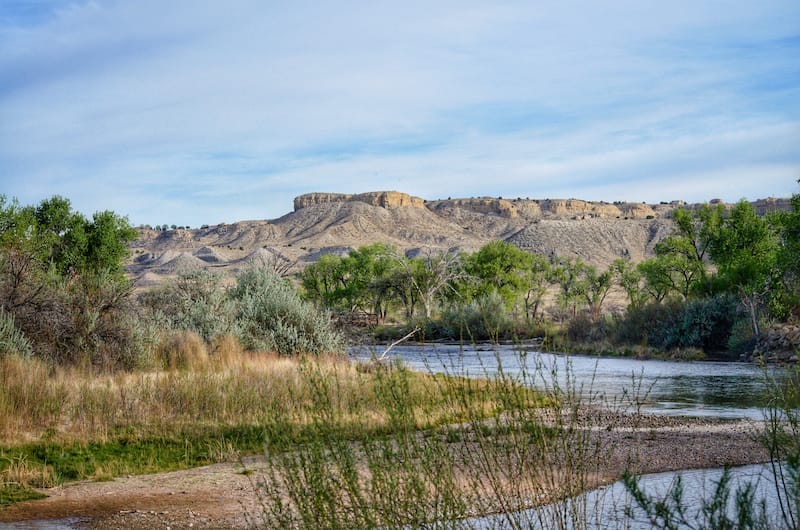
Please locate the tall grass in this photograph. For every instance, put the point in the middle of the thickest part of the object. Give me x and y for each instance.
(203, 406)
(514, 448)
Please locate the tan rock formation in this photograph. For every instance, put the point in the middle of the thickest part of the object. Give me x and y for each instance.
(579, 209)
(384, 199)
(485, 205)
(633, 210)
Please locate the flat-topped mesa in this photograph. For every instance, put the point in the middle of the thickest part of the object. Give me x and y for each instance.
(384, 199)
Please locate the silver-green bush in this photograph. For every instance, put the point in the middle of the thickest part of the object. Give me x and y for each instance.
(12, 340)
(272, 317)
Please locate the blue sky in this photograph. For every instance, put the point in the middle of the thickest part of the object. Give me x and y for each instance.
(192, 112)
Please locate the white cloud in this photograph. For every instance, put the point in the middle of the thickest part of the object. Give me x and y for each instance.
(208, 111)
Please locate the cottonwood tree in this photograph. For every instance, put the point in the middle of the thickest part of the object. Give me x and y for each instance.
(433, 275)
(570, 276)
(539, 279)
(629, 278)
(598, 284)
(745, 250)
(499, 267)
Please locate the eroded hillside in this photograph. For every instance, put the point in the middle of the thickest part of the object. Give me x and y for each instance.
(324, 223)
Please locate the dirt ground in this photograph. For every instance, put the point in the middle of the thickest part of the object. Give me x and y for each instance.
(222, 496)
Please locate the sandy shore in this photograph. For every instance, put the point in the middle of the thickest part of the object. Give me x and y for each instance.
(221, 496)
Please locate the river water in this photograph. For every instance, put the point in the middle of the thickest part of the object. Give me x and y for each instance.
(704, 389)
(612, 507)
(708, 389)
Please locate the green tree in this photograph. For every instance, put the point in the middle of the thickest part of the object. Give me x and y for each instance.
(745, 250)
(323, 281)
(788, 256)
(570, 275)
(539, 277)
(629, 277)
(598, 284)
(107, 237)
(502, 267)
(683, 255)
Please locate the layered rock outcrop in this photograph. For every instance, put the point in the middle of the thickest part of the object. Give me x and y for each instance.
(578, 208)
(384, 199)
(487, 206)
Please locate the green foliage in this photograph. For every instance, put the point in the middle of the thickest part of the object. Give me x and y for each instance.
(194, 301)
(644, 325)
(629, 277)
(365, 280)
(744, 249)
(498, 267)
(704, 323)
(483, 318)
(12, 493)
(570, 276)
(52, 235)
(62, 281)
(271, 316)
(12, 340)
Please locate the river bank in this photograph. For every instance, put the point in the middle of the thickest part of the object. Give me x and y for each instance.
(224, 495)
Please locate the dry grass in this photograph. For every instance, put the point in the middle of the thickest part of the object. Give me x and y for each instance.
(224, 388)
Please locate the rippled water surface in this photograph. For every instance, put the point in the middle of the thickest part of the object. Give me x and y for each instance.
(715, 389)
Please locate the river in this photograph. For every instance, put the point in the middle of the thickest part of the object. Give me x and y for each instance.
(700, 389)
(707, 389)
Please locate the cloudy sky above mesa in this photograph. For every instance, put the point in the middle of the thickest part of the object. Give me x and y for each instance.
(192, 112)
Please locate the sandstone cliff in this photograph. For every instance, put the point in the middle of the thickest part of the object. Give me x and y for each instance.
(384, 199)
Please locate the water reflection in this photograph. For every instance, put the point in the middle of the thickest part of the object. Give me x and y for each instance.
(715, 389)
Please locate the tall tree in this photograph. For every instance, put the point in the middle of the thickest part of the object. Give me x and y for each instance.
(745, 251)
(500, 267)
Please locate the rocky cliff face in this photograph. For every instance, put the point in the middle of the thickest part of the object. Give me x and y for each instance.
(383, 199)
(487, 206)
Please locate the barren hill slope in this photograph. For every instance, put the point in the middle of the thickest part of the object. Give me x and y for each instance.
(321, 223)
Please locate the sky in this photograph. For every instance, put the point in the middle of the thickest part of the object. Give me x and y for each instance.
(196, 112)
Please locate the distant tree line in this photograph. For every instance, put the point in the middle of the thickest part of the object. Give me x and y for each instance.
(712, 285)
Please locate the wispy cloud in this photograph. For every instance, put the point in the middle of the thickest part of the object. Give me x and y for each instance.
(188, 113)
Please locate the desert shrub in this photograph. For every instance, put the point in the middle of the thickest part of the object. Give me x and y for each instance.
(101, 325)
(195, 301)
(182, 350)
(484, 318)
(703, 323)
(584, 328)
(271, 316)
(88, 319)
(12, 340)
